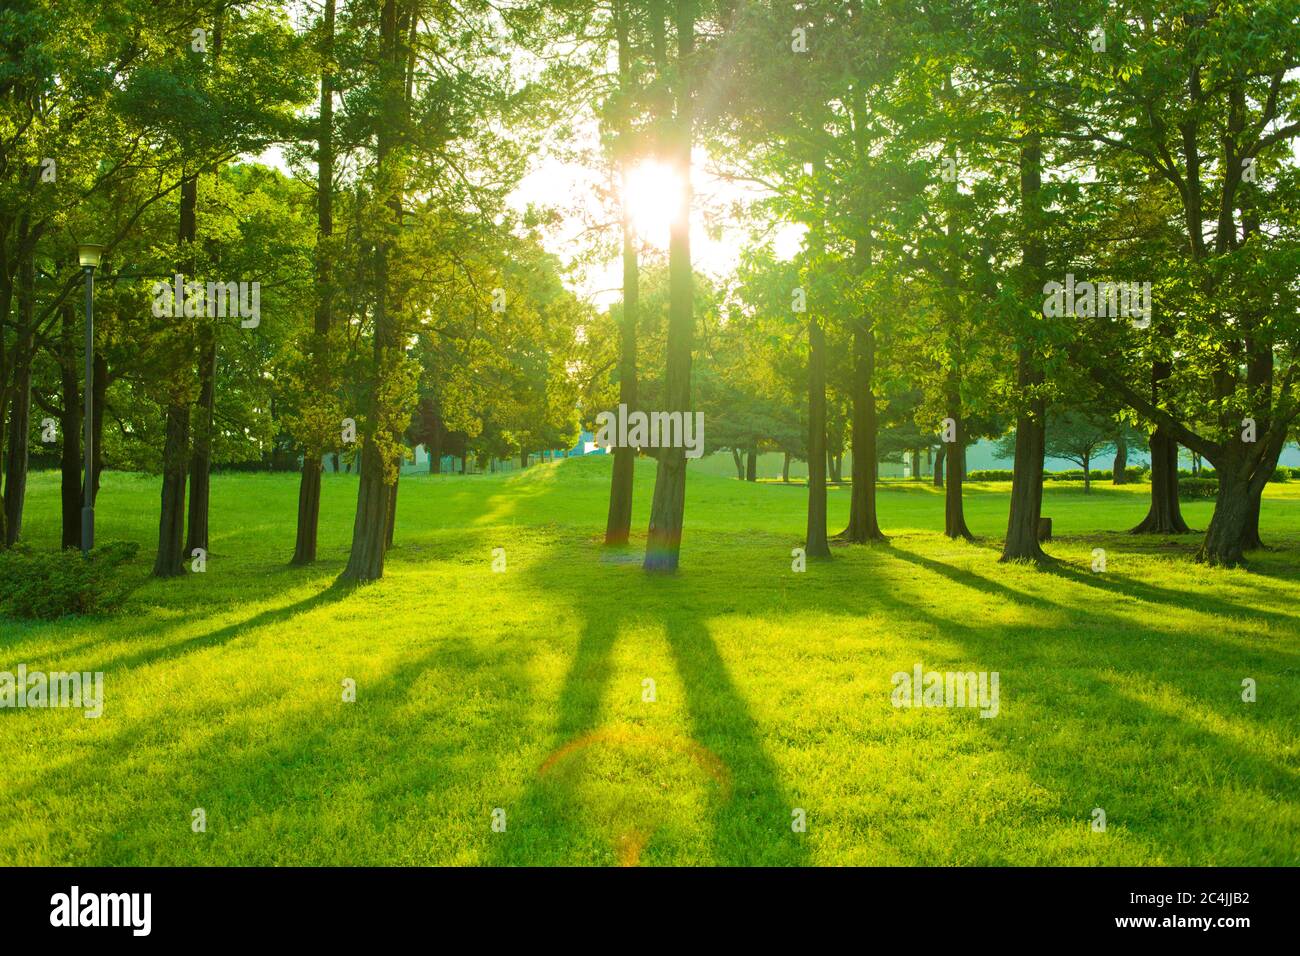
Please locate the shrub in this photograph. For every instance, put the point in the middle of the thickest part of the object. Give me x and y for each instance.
(1076, 474)
(1198, 487)
(1282, 473)
(989, 474)
(50, 584)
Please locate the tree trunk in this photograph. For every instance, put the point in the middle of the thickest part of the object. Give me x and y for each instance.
(815, 544)
(21, 407)
(916, 464)
(171, 522)
(940, 457)
(739, 461)
(664, 541)
(201, 461)
(618, 520)
(370, 527)
(1087, 474)
(954, 512)
(523, 458)
(202, 421)
(304, 548)
(863, 523)
(1225, 538)
(1027, 475)
(751, 465)
(304, 551)
(171, 519)
(1119, 470)
(1164, 516)
(785, 468)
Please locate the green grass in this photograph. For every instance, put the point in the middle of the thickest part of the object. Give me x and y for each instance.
(523, 690)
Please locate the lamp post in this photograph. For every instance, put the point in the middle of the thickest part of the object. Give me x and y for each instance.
(88, 254)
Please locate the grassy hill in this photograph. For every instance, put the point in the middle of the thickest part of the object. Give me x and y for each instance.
(525, 691)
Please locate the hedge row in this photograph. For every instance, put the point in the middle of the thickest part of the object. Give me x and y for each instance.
(1280, 473)
(1002, 474)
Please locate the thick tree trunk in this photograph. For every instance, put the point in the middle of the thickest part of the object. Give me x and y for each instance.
(916, 464)
(1225, 538)
(176, 441)
(751, 465)
(667, 511)
(1027, 475)
(304, 551)
(863, 523)
(523, 458)
(954, 512)
(370, 527)
(304, 548)
(1164, 516)
(1119, 471)
(171, 522)
(940, 457)
(618, 520)
(1250, 539)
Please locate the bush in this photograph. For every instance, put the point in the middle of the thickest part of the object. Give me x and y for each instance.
(1282, 473)
(1198, 487)
(988, 474)
(50, 584)
(1076, 474)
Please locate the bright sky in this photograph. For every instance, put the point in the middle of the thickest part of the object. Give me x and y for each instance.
(576, 191)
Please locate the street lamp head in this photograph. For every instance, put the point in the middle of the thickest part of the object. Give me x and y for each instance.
(89, 254)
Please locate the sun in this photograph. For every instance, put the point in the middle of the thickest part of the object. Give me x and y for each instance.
(654, 197)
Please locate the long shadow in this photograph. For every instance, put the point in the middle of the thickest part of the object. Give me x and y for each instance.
(336, 591)
(309, 765)
(752, 814)
(1089, 696)
(754, 826)
(1152, 594)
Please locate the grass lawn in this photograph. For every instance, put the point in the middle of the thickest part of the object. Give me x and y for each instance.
(523, 690)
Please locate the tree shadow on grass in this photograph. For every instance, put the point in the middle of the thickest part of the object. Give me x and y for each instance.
(1102, 724)
(336, 591)
(347, 783)
(750, 810)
